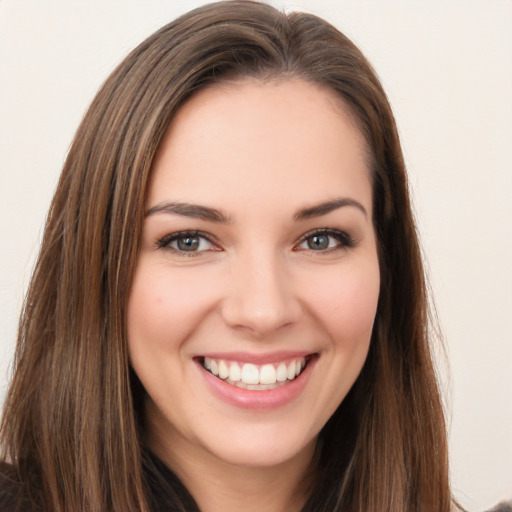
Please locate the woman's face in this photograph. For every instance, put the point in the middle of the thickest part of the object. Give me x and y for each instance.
(256, 287)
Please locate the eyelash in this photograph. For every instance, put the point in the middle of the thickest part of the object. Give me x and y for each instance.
(165, 242)
(343, 239)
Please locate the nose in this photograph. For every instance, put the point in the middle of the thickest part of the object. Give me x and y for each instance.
(260, 297)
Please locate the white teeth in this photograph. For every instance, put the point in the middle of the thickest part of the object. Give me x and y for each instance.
(268, 374)
(223, 370)
(256, 387)
(291, 371)
(250, 376)
(282, 373)
(235, 374)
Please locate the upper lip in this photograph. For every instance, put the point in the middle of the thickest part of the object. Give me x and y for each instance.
(257, 358)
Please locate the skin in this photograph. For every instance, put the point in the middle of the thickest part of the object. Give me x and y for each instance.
(258, 152)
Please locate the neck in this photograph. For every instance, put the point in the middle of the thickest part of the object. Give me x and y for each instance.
(219, 486)
(256, 489)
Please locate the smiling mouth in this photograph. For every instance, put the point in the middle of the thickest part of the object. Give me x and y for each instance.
(256, 377)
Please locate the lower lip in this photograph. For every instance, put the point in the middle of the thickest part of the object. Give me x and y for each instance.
(253, 399)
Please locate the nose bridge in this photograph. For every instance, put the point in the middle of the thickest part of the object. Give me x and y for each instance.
(260, 294)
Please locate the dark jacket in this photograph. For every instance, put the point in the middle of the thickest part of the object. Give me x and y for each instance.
(164, 490)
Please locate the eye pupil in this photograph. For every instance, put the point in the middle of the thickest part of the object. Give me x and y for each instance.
(188, 243)
(318, 242)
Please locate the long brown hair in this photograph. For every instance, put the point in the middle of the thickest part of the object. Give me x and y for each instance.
(73, 418)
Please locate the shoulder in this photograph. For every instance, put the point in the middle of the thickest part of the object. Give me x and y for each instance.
(8, 487)
(504, 506)
(12, 497)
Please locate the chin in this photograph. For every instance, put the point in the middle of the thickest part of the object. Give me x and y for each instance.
(262, 446)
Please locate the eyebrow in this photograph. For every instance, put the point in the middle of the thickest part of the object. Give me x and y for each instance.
(327, 207)
(194, 211)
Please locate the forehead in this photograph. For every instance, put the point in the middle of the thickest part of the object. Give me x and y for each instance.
(256, 138)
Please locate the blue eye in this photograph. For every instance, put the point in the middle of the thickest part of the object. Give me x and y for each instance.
(186, 242)
(325, 240)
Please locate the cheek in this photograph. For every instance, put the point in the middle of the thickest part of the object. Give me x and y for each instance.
(165, 306)
(347, 303)
(344, 309)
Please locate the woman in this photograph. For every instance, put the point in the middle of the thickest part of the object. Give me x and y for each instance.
(229, 306)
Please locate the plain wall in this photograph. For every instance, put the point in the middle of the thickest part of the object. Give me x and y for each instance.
(447, 68)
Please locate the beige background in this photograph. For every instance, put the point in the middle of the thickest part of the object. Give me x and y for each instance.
(447, 68)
